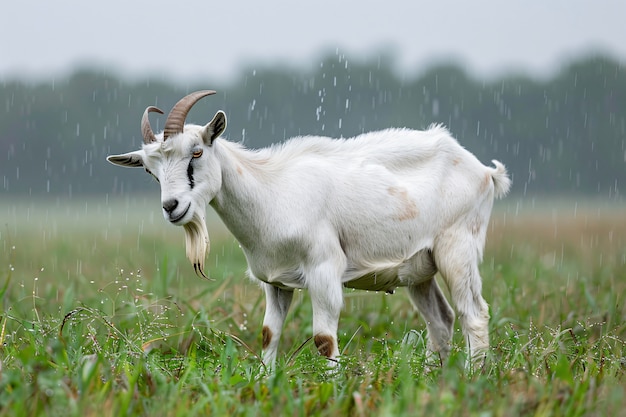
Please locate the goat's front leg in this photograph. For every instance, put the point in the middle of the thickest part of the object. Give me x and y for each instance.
(326, 290)
(277, 302)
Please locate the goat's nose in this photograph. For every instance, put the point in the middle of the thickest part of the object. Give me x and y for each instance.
(170, 205)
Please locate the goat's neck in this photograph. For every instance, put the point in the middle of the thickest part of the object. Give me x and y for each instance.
(239, 200)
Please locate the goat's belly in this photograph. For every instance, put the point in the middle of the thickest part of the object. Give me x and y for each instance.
(383, 280)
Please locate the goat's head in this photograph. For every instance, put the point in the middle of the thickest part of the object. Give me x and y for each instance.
(182, 160)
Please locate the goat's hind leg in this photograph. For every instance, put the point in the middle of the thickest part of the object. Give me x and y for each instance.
(431, 303)
(437, 314)
(457, 258)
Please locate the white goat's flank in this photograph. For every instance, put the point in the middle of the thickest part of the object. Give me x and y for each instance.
(382, 210)
(395, 182)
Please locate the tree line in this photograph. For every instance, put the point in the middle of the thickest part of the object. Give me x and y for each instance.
(561, 135)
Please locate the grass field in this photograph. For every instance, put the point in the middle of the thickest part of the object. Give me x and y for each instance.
(101, 314)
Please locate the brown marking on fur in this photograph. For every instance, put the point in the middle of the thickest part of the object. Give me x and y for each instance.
(261, 161)
(408, 208)
(239, 170)
(325, 344)
(484, 185)
(267, 337)
(455, 161)
(474, 226)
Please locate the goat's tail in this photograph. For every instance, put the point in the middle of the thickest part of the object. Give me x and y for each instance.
(501, 180)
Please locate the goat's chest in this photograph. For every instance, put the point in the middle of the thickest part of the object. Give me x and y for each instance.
(281, 270)
(285, 278)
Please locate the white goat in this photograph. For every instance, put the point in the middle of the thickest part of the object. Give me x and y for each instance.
(382, 210)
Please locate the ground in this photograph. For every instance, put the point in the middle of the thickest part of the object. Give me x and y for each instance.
(101, 314)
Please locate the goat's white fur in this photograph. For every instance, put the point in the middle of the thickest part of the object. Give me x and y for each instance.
(382, 210)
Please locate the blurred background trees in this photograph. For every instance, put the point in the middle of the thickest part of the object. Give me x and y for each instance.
(562, 135)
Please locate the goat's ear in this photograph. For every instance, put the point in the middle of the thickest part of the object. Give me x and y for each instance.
(214, 129)
(130, 159)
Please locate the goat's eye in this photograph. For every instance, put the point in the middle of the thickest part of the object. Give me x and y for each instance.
(197, 153)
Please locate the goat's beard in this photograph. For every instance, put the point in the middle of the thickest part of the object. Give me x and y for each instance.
(197, 242)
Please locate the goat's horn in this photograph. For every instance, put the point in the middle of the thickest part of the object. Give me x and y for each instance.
(146, 130)
(176, 119)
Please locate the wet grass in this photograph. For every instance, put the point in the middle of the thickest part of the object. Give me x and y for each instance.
(100, 314)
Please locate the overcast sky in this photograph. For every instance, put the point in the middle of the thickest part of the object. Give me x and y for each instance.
(200, 39)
